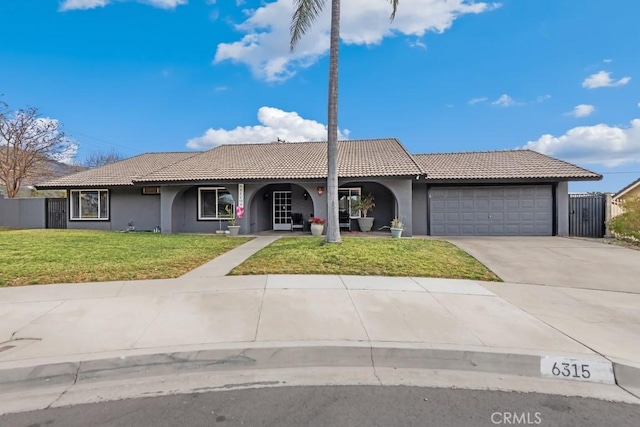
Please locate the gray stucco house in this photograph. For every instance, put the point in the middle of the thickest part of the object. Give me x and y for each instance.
(517, 192)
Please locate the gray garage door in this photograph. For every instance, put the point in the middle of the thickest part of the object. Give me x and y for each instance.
(491, 211)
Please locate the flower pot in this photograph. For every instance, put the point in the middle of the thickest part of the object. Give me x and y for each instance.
(396, 233)
(233, 230)
(317, 229)
(365, 223)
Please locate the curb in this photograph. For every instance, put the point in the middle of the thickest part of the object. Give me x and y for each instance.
(247, 358)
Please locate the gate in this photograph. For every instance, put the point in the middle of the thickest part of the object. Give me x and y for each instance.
(56, 213)
(586, 215)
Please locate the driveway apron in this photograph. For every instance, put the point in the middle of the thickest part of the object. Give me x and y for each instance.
(557, 261)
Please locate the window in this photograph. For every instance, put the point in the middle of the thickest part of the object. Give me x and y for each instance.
(90, 205)
(346, 198)
(215, 203)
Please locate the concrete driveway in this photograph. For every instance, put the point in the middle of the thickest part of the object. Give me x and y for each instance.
(557, 261)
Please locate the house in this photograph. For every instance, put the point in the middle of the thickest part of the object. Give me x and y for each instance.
(630, 190)
(517, 192)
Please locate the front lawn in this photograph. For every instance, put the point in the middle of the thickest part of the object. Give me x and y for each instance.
(74, 256)
(366, 257)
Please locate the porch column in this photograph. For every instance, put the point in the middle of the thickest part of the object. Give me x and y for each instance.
(562, 209)
(167, 196)
(403, 192)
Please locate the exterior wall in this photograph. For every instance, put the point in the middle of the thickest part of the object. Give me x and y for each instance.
(420, 209)
(22, 213)
(125, 205)
(184, 215)
(562, 209)
(631, 193)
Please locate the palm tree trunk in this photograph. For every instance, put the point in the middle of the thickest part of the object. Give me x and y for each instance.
(333, 226)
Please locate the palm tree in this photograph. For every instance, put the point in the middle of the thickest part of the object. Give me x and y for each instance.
(306, 12)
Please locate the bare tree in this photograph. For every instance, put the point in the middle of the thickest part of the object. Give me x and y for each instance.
(306, 12)
(102, 158)
(28, 143)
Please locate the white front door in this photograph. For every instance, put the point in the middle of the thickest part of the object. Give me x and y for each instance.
(282, 210)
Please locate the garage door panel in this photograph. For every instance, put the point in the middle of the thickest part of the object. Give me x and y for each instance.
(481, 204)
(513, 217)
(496, 204)
(466, 204)
(452, 217)
(503, 211)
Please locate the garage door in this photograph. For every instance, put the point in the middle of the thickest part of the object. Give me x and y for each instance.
(491, 211)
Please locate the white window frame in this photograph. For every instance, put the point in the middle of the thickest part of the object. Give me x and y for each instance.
(220, 216)
(352, 191)
(77, 216)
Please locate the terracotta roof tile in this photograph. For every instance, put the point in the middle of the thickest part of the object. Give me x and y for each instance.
(119, 173)
(508, 164)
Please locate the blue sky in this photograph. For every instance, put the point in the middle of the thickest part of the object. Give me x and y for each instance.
(558, 76)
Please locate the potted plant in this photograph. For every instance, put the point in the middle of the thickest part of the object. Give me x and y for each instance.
(364, 205)
(317, 226)
(396, 228)
(232, 226)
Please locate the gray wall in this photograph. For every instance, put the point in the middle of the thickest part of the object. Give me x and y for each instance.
(420, 208)
(22, 213)
(126, 204)
(185, 211)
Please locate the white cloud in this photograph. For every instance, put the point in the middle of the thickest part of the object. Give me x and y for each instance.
(608, 145)
(274, 124)
(68, 155)
(582, 110)
(543, 98)
(83, 4)
(474, 101)
(603, 79)
(504, 101)
(417, 43)
(264, 48)
(607, 61)
(92, 4)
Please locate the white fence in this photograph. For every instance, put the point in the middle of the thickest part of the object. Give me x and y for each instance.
(616, 208)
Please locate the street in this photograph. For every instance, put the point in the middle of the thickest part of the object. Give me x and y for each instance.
(338, 406)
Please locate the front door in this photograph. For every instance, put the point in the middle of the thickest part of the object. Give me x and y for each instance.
(282, 210)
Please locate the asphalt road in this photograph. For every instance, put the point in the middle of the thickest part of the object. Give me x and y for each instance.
(338, 406)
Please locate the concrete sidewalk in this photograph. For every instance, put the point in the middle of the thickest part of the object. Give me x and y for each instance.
(207, 321)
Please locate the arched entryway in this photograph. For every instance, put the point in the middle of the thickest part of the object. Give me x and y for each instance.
(383, 212)
(272, 206)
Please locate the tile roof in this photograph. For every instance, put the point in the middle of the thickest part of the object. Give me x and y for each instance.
(508, 164)
(307, 160)
(301, 160)
(119, 173)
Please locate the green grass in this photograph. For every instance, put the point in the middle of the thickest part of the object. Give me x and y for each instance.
(74, 256)
(367, 257)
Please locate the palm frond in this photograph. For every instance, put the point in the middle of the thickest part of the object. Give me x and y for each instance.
(394, 6)
(306, 12)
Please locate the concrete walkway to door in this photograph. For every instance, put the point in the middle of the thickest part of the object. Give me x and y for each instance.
(557, 261)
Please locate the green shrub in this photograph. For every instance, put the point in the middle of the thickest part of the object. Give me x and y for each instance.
(628, 224)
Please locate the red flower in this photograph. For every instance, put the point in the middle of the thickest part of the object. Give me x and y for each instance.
(316, 220)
